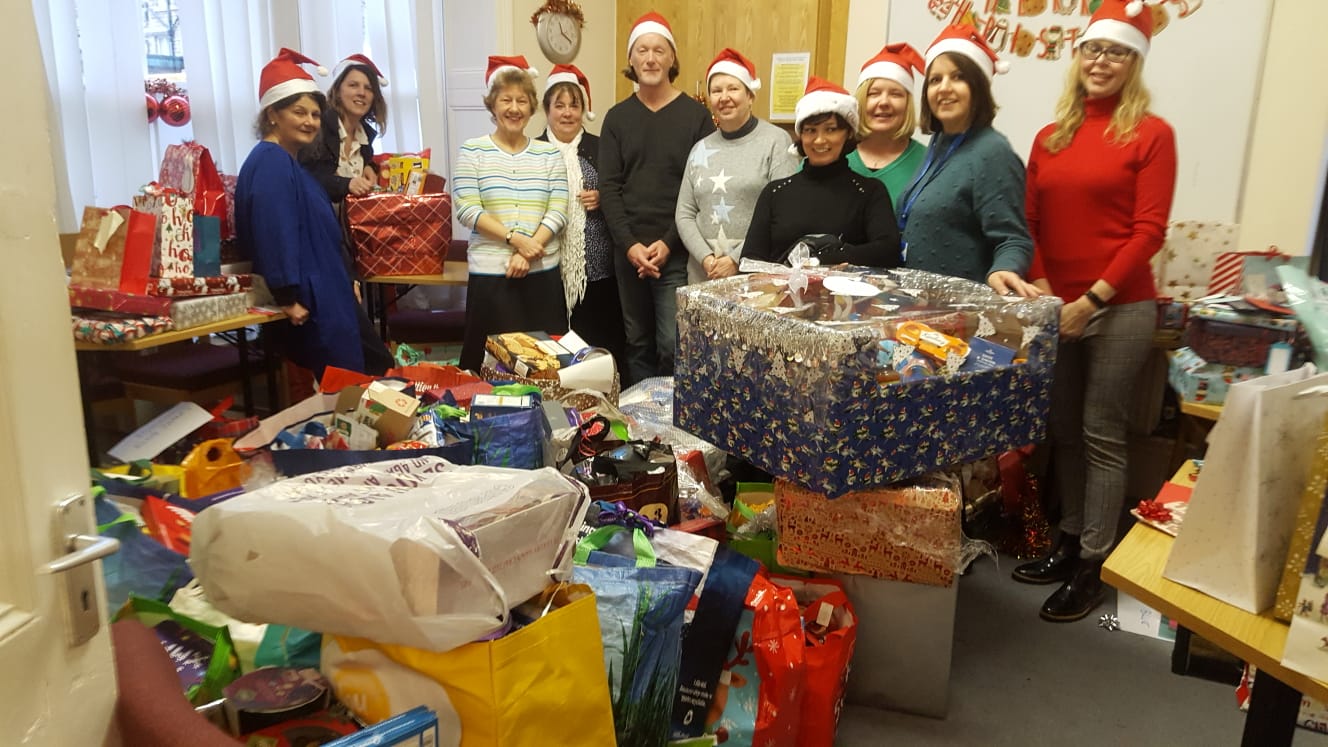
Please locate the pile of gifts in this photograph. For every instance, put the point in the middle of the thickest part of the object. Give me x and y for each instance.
(1272, 320)
(157, 266)
(403, 173)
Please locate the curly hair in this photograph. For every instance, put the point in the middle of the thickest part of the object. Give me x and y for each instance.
(511, 77)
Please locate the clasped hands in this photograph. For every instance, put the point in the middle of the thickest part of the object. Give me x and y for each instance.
(525, 250)
(648, 260)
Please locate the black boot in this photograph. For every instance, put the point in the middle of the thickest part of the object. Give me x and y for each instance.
(1056, 566)
(1078, 596)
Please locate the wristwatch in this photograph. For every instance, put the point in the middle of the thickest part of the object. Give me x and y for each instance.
(510, 234)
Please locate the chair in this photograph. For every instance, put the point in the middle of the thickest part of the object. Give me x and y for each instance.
(446, 325)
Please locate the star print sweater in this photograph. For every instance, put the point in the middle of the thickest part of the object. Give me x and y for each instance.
(725, 174)
(1099, 209)
(825, 199)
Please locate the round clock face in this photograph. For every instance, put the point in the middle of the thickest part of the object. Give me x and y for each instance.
(559, 37)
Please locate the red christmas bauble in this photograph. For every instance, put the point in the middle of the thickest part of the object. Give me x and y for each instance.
(154, 108)
(175, 111)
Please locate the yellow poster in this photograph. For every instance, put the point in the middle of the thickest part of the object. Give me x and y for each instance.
(788, 76)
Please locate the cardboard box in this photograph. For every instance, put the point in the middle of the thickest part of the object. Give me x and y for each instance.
(1197, 380)
(903, 534)
(804, 400)
(532, 355)
(901, 660)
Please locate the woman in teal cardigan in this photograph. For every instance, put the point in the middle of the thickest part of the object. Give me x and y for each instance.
(963, 212)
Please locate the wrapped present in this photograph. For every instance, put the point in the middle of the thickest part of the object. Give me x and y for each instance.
(195, 312)
(529, 355)
(184, 312)
(1197, 380)
(818, 400)
(214, 285)
(396, 234)
(109, 328)
(1220, 334)
(1183, 267)
(173, 250)
(903, 534)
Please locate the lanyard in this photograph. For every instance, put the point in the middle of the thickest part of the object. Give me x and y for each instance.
(926, 174)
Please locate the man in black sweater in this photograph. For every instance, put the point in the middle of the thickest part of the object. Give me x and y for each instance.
(643, 148)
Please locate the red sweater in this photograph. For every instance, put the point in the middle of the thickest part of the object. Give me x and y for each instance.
(1098, 209)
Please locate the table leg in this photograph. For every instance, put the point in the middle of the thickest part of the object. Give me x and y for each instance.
(246, 385)
(380, 293)
(270, 364)
(1272, 716)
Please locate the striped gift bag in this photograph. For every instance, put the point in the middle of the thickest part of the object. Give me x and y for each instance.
(1229, 266)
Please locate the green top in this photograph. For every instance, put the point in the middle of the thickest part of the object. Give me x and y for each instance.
(896, 174)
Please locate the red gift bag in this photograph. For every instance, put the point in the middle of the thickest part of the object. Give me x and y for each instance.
(830, 628)
(114, 250)
(395, 234)
(188, 167)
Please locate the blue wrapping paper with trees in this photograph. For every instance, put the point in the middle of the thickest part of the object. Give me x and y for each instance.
(816, 384)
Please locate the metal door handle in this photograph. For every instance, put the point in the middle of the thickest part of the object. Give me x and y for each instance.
(84, 548)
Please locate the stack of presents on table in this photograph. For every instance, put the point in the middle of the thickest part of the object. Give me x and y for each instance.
(1236, 315)
(533, 557)
(156, 265)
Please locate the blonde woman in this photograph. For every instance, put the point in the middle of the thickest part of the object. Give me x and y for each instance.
(1100, 184)
(887, 151)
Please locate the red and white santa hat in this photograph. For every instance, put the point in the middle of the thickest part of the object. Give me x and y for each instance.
(571, 74)
(650, 23)
(1129, 24)
(359, 59)
(731, 62)
(894, 62)
(284, 77)
(821, 97)
(962, 38)
(499, 63)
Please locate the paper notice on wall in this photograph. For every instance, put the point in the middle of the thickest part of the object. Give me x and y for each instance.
(788, 79)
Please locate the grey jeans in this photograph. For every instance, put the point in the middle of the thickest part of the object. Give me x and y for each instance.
(1090, 404)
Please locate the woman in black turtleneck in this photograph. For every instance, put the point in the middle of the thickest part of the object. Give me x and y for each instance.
(843, 216)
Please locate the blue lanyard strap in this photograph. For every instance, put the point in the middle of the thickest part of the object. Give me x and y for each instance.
(926, 174)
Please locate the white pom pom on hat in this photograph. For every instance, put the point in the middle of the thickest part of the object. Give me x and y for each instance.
(1121, 22)
(571, 74)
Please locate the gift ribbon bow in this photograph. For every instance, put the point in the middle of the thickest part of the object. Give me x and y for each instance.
(619, 514)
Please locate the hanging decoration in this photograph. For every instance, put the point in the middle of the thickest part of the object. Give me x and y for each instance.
(168, 102)
(1018, 27)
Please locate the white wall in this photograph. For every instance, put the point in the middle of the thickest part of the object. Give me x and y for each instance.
(1201, 69)
(1290, 138)
(599, 57)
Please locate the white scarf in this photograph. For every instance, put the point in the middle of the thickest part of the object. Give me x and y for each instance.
(573, 248)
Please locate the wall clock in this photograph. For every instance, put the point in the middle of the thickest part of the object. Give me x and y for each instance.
(558, 29)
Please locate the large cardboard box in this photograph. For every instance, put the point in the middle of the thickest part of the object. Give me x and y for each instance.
(904, 533)
(901, 660)
(804, 399)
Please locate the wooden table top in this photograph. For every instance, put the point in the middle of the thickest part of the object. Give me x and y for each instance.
(179, 335)
(454, 273)
(1136, 569)
(1201, 410)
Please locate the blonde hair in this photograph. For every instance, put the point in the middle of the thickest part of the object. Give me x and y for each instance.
(1133, 106)
(906, 128)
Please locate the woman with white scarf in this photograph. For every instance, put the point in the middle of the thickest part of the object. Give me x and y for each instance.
(587, 259)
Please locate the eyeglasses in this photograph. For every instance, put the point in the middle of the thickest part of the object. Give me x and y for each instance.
(1093, 50)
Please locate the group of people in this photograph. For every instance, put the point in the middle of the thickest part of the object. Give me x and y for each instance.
(599, 233)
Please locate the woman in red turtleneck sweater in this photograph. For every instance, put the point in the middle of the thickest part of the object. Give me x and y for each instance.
(1100, 183)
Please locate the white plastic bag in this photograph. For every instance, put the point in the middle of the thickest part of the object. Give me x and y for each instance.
(418, 552)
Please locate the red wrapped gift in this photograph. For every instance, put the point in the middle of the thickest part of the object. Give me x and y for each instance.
(904, 534)
(396, 234)
(215, 285)
(114, 300)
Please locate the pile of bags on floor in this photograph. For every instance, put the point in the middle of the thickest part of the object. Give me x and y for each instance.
(601, 592)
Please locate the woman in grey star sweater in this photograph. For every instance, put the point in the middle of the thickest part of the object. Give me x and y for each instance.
(727, 170)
